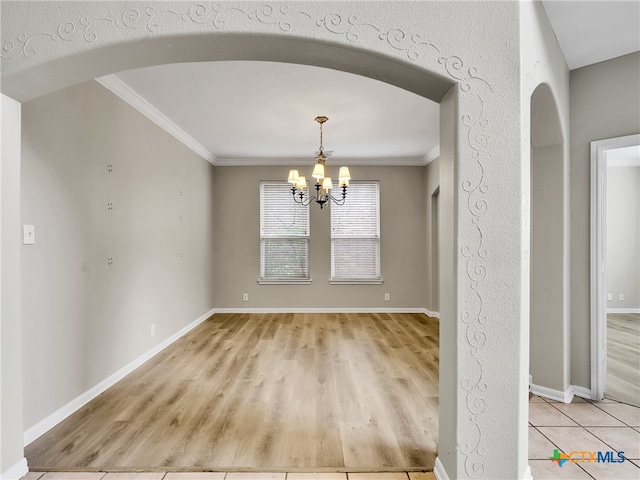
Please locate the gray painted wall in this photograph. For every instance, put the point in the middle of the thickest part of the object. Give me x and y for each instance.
(605, 100)
(402, 241)
(623, 236)
(124, 221)
(547, 332)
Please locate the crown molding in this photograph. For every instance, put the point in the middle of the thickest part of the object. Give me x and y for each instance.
(332, 162)
(431, 156)
(133, 98)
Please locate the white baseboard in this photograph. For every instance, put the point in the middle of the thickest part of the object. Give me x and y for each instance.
(321, 310)
(623, 310)
(16, 472)
(439, 471)
(52, 420)
(559, 396)
(527, 474)
(582, 392)
(432, 314)
(550, 393)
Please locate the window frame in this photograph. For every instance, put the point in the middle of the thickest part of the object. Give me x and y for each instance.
(358, 280)
(283, 280)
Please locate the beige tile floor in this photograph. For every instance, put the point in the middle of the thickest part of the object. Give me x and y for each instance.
(579, 426)
(229, 476)
(583, 426)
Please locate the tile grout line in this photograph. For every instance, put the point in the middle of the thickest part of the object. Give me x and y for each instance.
(558, 447)
(625, 425)
(610, 414)
(606, 443)
(557, 409)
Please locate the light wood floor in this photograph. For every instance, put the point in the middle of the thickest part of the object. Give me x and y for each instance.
(623, 358)
(285, 392)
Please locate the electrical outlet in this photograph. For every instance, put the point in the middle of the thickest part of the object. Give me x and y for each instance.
(245, 297)
(609, 296)
(28, 234)
(621, 297)
(153, 329)
(387, 297)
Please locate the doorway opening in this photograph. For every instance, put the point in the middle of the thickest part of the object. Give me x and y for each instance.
(421, 390)
(548, 266)
(615, 268)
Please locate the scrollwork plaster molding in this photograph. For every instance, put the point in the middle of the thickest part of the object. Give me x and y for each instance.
(475, 94)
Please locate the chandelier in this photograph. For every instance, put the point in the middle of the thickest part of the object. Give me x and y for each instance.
(323, 185)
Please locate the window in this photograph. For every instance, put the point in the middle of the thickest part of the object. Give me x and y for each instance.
(355, 235)
(284, 235)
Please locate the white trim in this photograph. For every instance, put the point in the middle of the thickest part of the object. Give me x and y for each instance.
(624, 162)
(133, 98)
(58, 416)
(342, 161)
(306, 281)
(559, 396)
(16, 472)
(623, 310)
(52, 420)
(363, 281)
(438, 470)
(431, 156)
(581, 392)
(527, 473)
(431, 314)
(321, 310)
(597, 257)
(550, 393)
(125, 92)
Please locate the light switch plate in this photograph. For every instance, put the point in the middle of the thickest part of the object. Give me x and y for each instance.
(29, 234)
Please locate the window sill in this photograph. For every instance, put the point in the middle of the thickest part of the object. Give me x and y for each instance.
(346, 281)
(298, 281)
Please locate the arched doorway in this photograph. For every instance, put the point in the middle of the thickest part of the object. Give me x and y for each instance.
(60, 46)
(549, 351)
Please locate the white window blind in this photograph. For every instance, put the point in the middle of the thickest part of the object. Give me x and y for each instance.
(355, 234)
(284, 234)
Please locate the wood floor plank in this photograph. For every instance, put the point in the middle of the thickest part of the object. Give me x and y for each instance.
(258, 391)
(623, 358)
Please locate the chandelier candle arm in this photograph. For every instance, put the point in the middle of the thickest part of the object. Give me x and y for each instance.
(323, 184)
